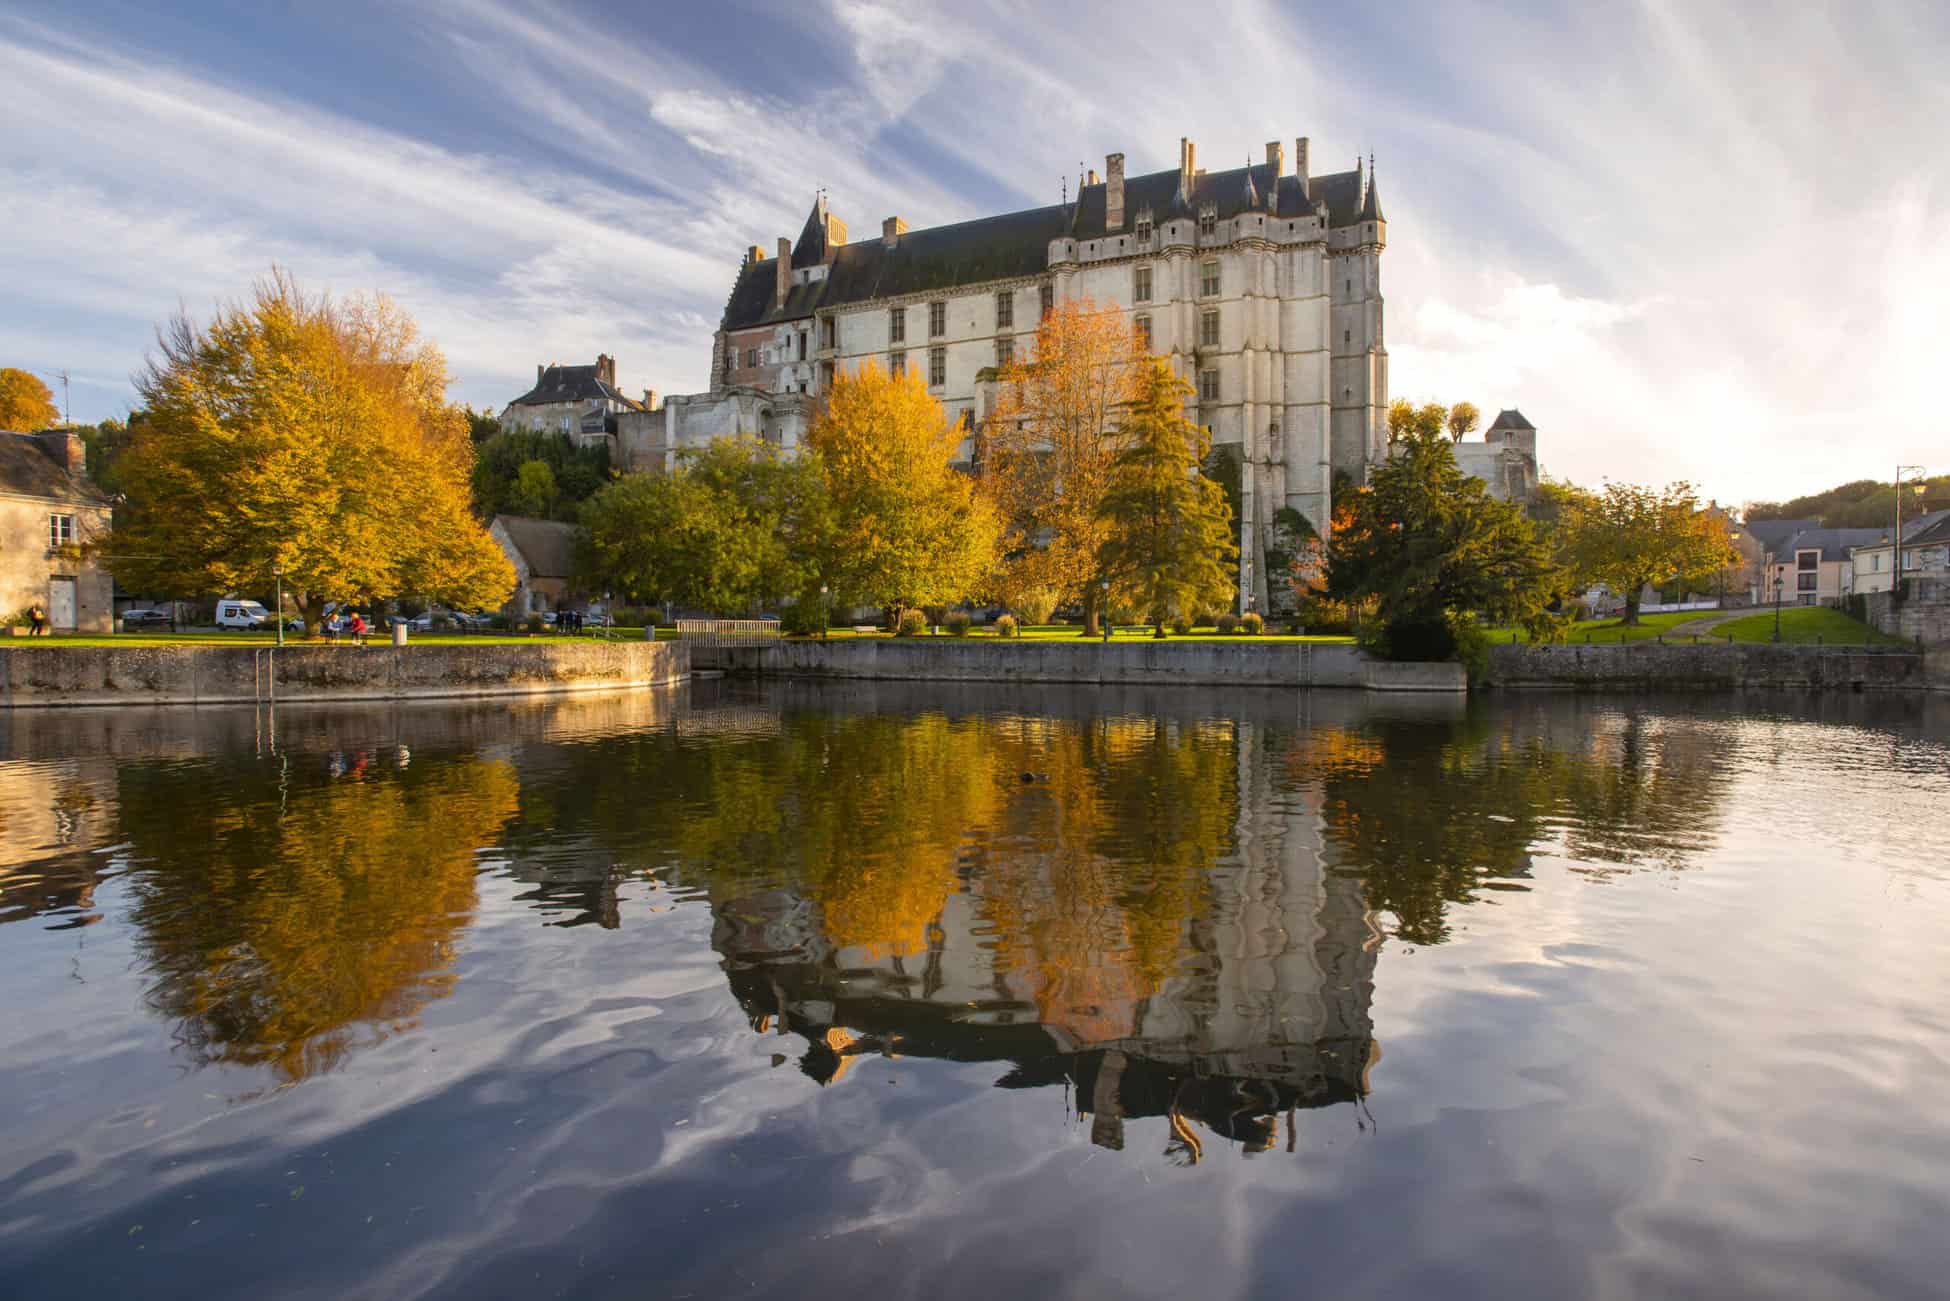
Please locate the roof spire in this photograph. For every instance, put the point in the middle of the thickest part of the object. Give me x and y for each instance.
(1251, 195)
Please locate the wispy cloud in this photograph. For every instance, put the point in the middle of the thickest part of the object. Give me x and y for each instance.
(1685, 242)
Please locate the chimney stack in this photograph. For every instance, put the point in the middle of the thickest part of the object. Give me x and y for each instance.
(891, 231)
(1187, 163)
(1113, 191)
(754, 255)
(1093, 177)
(650, 400)
(65, 448)
(1301, 169)
(539, 368)
(606, 369)
(1276, 158)
(783, 270)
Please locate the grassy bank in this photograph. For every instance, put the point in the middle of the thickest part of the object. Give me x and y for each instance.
(1606, 631)
(126, 640)
(1804, 625)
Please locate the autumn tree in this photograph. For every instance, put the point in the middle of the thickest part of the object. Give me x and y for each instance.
(734, 526)
(1049, 446)
(307, 435)
(909, 528)
(26, 404)
(1462, 421)
(1627, 536)
(1430, 548)
(1167, 540)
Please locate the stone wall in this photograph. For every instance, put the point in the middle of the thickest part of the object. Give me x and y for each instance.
(1637, 666)
(1924, 616)
(190, 675)
(941, 659)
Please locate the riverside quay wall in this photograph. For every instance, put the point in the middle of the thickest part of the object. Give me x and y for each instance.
(1682, 666)
(1240, 663)
(209, 675)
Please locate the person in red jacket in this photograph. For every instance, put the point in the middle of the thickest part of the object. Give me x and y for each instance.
(358, 629)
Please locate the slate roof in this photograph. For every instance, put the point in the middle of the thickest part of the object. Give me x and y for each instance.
(1511, 418)
(1771, 533)
(572, 384)
(549, 546)
(1017, 243)
(28, 468)
(1931, 527)
(1834, 544)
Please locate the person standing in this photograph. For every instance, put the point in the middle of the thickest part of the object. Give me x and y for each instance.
(36, 621)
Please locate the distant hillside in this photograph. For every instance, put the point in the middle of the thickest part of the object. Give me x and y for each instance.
(1864, 504)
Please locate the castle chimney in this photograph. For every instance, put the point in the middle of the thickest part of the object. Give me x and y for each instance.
(539, 368)
(754, 255)
(1301, 169)
(650, 400)
(891, 231)
(1113, 191)
(606, 369)
(1185, 152)
(1093, 177)
(1276, 158)
(783, 272)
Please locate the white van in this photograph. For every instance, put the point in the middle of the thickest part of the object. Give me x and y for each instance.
(241, 614)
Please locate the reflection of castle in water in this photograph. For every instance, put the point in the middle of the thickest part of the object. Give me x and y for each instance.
(1266, 1008)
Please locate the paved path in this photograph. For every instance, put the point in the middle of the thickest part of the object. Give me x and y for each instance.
(1705, 624)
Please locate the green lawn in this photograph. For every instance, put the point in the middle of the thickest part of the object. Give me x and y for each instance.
(128, 639)
(1804, 625)
(1605, 631)
(1074, 632)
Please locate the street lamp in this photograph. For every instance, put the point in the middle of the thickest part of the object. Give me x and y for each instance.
(1106, 611)
(277, 572)
(1780, 579)
(825, 620)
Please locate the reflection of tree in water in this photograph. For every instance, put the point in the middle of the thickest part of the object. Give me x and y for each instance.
(287, 928)
(1430, 814)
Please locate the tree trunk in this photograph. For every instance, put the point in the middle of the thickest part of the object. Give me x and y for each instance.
(311, 609)
(1631, 619)
(1090, 627)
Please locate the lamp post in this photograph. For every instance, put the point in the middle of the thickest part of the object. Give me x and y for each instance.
(1106, 611)
(825, 619)
(278, 573)
(1779, 580)
(1914, 473)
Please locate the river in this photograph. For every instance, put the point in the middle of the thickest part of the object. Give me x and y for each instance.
(954, 991)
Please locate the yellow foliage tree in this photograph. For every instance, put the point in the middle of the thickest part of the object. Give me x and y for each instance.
(26, 404)
(1049, 446)
(307, 435)
(910, 529)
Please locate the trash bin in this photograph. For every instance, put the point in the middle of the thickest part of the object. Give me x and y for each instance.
(399, 632)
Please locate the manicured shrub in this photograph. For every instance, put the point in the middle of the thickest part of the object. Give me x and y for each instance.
(1226, 623)
(801, 619)
(912, 623)
(1005, 625)
(1181, 624)
(1206, 619)
(958, 622)
(1251, 624)
(1034, 606)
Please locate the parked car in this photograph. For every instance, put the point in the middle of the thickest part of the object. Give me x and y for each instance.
(242, 615)
(137, 618)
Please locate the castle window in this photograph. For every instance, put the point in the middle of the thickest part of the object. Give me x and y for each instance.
(937, 367)
(826, 376)
(1347, 338)
(1143, 327)
(897, 325)
(751, 357)
(1208, 328)
(897, 364)
(1048, 299)
(1144, 225)
(937, 320)
(1208, 220)
(1005, 309)
(1005, 351)
(802, 345)
(1208, 277)
(829, 331)
(1208, 386)
(1141, 285)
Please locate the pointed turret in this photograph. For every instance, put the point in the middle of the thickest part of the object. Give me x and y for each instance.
(821, 238)
(1371, 205)
(1250, 196)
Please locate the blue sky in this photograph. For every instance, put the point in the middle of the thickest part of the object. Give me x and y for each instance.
(1689, 240)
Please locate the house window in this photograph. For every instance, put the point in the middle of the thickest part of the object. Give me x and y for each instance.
(1141, 285)
(1208, 328)
(897, 363)
(1144, 225)
(1208, 277)
(1048, 299)
(1144, 332)
(1208, 386)
(751, 358)
(1208, 220)
(1807, 559)
(1804, 582)
(937, 320)
(937, 367)
(897, 325)
(829, 332)
(1005, 351)
(60, 530)
(1005, 309)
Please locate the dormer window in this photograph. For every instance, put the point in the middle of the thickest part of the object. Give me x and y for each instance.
(1208, 219)
(1144, 225)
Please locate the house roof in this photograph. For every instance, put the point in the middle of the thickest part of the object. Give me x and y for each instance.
(1834, 544)
(1933, 526)
(1771, 533)
(28, 468)
(571, 384)
(1016, 244)
(547, 546)
(1511, 418)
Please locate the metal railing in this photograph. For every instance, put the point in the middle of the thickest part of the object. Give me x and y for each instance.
(728, 632)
